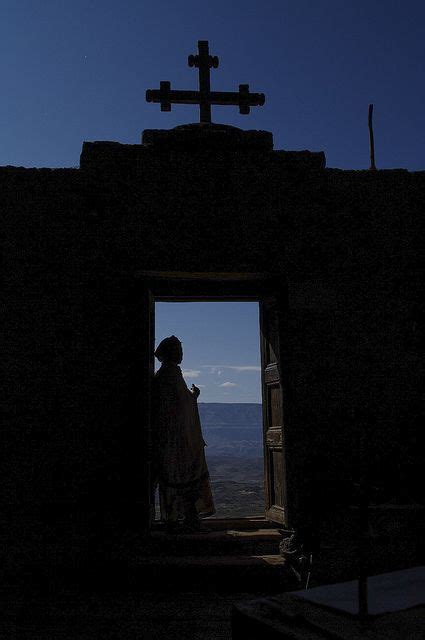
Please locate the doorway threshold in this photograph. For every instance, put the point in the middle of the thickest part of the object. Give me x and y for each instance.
(215, 525)
(250, 535)
(241, 523)
(250, 523)
(234, 553)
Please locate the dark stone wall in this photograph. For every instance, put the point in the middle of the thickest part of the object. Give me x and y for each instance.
(346, 245)
(355, 296)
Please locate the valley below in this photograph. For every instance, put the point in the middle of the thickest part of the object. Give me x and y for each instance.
(234, 452)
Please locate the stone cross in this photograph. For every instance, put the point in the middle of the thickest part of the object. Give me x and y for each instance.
(204, 97)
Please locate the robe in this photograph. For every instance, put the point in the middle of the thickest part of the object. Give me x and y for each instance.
(180, 468)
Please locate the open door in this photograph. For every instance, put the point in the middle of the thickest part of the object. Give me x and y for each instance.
(273, 424)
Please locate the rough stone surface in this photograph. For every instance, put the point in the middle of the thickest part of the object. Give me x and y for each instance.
(345, 246)
(70, 614)
(209, 137)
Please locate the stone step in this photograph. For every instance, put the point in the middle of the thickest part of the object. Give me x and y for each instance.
(247, 523)
(211, 573)
(266, 573)
(252, 523)
(212, 543)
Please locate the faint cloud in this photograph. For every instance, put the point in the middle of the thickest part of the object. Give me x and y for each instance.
(212, 369)
(228, 385)
(217, 368)
(191, 373)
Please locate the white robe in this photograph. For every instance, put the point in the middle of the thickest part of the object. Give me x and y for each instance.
(180, 466)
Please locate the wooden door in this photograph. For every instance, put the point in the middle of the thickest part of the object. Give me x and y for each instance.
(271, 309)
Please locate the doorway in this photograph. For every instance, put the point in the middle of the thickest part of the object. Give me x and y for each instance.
(221, 357)
(270, 296)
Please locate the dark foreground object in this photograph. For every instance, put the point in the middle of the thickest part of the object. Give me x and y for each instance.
(397, 607)
(181, 586)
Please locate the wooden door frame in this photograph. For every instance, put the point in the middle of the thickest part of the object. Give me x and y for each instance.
(272, 313)
(217, 287)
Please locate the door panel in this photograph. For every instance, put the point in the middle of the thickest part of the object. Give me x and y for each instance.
(273, 423)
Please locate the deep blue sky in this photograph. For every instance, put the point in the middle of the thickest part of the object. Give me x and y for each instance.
(78, 70)
(74, 71)
(221, 347)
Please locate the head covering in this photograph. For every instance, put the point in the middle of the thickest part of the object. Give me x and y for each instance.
(167, 348)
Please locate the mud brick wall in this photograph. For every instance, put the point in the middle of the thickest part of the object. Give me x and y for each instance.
(346, 245)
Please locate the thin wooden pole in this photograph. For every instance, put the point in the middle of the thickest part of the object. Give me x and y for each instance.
(371, 140)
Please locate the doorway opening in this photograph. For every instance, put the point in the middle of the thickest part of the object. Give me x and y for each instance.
(221, 357)
(268, 295)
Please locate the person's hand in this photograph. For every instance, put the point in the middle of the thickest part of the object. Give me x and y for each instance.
(195, 390)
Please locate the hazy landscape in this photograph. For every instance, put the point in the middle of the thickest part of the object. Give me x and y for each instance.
(234, 452)
(233, 433)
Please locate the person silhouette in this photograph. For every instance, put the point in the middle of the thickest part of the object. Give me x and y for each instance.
(180, 468)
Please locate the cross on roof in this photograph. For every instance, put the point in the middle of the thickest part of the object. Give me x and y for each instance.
(204, 97)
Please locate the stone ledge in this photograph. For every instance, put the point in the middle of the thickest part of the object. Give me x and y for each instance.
(101, 152)
(208, 137)
(300, 159)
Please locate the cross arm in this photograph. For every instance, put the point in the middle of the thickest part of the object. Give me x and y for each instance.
(166, 96)
(242, 98)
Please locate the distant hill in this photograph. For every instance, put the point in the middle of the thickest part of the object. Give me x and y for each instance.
(234, 434)
(230, 414)
(232, 429)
